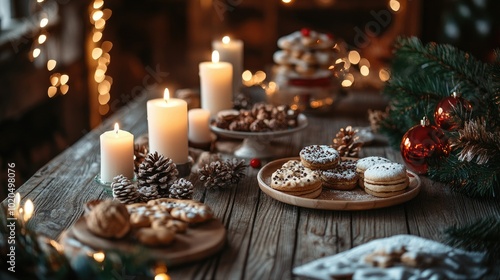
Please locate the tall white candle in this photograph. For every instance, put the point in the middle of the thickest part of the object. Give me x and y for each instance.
(231, 51)
(168, 127)
(199, 130)
(216, 85)
(117, 154)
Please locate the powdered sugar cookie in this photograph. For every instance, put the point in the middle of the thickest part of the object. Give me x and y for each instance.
(385, 180)
(295, 179)
(342, 177)
(365, 163)
(321, 157)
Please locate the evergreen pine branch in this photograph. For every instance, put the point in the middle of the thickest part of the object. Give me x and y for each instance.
(476, 142)
(469, 178)
(481, 236)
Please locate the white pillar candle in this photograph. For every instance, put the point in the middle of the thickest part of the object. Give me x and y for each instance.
(117, 154)
(199, 130)
(216, 85)
(231, 51)
(168, 128)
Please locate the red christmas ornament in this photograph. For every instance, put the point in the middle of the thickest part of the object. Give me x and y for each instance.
(255, 163)
(445, 114)
(306, 32)
(421, 143)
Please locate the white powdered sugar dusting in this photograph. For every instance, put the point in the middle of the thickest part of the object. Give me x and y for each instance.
(451, 263)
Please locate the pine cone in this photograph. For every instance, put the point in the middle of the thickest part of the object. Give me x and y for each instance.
(157, 171)
(238, 168)
(148, 193)
(124, 190)
(216, 174)
(140, 153)
(181, 189)
(346, 142)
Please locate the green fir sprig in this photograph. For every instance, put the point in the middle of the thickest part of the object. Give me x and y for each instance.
(480, 236)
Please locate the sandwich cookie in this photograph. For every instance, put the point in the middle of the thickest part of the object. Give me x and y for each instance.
(386, 180)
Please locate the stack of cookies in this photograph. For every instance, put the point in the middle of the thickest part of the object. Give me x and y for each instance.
(321, 166)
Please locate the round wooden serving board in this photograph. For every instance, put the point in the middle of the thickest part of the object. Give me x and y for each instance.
(198, 242)
(329, 199)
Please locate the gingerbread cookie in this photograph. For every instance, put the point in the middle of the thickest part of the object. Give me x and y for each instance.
(386, 180)
(109, 219)
(295, 179)
(365, 163)
(189, 211)
(320, 157)
(342, 177)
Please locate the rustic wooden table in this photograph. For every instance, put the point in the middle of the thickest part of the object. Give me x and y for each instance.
(266, 239)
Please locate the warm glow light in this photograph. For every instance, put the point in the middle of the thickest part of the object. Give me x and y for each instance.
(51, 91)
(246, 75)
(64, 89)
(364, 70)
(97, 36)
(97, 15)
(99, 24)
(51, 64)
(99, 256)
(215, 56)
(346, 83)
(364, 61)
(64, 79)
(17, 201)
(44, 22)
(96, 53)
(394, 5)
(106, 14)
(260, 76)
(162, 276)
(36, 52)
(99, 76)
(39, 1)
(384, 75)
(42, 38)
(166, 95)
(117, 127)
(226, 40)
(348, 80)
(104, 87)
(286, 1)
(54, 79)
(106, 46)
(354, 57)
(28, 210)
(103, 98)
(103, 109)
(98, 3)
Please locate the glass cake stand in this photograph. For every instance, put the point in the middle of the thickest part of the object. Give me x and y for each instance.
(258, 144)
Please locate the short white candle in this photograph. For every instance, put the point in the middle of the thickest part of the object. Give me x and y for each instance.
(216, 85)
(231, 51)
(168, 127)
(199, 130)
(117, 154)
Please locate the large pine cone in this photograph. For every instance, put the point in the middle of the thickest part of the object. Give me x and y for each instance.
(157, 171)
(346, 142)
(238, 168)
(148, 193)
(124, 190)
(216, 174)
(181, 189)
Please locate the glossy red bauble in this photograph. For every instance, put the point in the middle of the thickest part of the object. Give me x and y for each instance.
(421, 143)
(305, 32)
(446, 111)
(255, 163)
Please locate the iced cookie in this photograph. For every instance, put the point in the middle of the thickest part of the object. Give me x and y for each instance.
(342, 177)
(295, 179)
(386, 180)
(365, 163)
(322, 157)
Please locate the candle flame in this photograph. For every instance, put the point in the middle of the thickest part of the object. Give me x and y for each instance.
(215, 56)
(116, 128)
(226, 40)
(166, 95)
(28, 210)
(99, 256)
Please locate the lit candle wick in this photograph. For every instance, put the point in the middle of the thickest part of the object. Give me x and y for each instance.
(116, 128)
(166, 95)
(226, 40)
(215, 56)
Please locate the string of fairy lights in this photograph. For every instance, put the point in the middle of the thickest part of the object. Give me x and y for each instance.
(101, 58)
